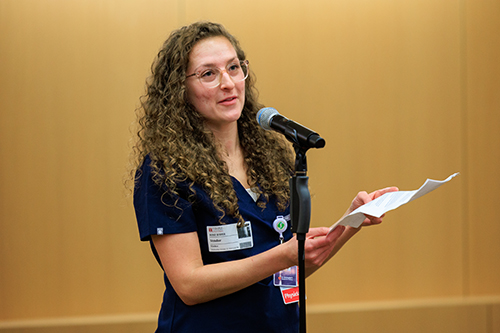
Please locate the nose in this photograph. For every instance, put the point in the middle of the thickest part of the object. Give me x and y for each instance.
(226, 82)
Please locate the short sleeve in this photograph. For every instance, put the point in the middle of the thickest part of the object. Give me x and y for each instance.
(158, 212)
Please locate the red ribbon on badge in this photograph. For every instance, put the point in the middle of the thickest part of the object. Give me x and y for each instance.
(290, 295)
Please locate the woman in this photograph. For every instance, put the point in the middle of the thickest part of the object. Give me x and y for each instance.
(209, 185)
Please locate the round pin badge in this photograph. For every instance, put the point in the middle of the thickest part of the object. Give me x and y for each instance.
(280, 224)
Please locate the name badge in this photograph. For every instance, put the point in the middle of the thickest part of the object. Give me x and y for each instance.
(287, 277)
(229, 237)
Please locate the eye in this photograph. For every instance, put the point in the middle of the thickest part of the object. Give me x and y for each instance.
(208, 75)
(233, 68)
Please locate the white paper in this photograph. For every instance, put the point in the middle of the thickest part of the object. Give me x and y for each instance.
(388, 201)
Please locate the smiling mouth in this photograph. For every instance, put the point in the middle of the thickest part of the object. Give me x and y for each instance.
(229, 99)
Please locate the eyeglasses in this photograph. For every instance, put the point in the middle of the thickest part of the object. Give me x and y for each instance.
(212, 77)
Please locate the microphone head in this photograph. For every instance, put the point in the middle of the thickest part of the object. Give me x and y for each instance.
(264, 117)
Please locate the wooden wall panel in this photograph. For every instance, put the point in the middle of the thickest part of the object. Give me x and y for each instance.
(454, 315)
(93, 324)
(71, 75)
(404, 317)
(483, 144)
(495, 318)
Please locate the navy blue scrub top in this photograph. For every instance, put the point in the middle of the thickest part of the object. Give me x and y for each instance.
(257, 308)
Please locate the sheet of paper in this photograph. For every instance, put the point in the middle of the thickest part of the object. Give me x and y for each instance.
(389, 201)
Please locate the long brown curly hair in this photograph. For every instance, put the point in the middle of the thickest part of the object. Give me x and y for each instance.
(172, 132)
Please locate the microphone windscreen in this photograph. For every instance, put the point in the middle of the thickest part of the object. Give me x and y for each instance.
(264, 117)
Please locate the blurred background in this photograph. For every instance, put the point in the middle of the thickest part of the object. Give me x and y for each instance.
(400, 90)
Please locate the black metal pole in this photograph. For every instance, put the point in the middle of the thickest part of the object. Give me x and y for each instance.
(300, 216)
(302, 284)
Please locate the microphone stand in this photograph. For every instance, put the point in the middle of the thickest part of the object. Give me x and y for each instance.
(302, 139)
(300, 214)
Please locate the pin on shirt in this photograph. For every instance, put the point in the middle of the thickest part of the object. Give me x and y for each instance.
(280, 225)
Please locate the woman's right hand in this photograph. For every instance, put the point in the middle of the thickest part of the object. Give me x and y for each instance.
(319, 247)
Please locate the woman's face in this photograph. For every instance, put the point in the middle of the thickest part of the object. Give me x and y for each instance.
(223, 104)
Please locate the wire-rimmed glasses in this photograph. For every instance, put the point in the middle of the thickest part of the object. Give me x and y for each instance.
(211, 77)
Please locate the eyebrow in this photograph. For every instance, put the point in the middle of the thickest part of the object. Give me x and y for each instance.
(213, 65)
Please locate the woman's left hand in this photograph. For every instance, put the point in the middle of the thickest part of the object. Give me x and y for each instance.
(321, 244)
(363, 198)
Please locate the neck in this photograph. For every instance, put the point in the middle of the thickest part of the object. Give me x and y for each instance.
(231, 152)
(227, 140)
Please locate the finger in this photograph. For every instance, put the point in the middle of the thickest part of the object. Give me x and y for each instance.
(375, 220)
(320, 240)
(317, 250)
(372, 220)
(375, 194)
(316, 232)
(361, 198)
(332, 237)
(336, 233)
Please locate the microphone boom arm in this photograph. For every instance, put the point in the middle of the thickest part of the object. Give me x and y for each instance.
(298, 134)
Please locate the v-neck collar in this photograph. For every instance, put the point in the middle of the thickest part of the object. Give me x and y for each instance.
(240, 189)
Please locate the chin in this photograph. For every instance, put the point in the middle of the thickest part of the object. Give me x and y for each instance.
(234, 112)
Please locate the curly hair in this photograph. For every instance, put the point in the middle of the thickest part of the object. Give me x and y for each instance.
(172, 133)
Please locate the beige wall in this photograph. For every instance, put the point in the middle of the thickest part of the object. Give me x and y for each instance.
(401, 91)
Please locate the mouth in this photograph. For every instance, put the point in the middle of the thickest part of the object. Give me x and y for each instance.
(228, 100)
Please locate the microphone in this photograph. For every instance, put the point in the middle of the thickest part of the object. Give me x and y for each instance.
(270, 119)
